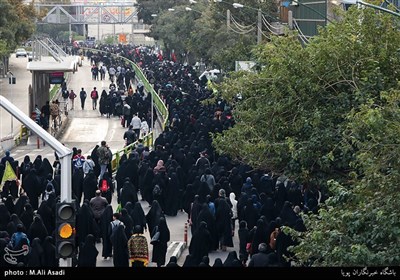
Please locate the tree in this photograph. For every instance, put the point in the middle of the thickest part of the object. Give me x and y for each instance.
(172, 28)
(202, 32)
(328, 114)
(16, 24)
(359, 224)
(146, 8)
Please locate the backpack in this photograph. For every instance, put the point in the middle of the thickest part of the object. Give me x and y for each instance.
(26, 168)
(78, 163)
(104, 187)
(156, 190)
(94, 94)
(65, 94)
(50, 186)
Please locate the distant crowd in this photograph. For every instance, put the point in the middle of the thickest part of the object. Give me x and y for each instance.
(222, 198)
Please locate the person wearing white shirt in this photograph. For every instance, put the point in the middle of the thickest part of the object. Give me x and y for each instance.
(136, 124)
(144, 128)
(88, 165)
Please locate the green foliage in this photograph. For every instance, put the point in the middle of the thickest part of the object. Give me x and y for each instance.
(148, 7)
(171, 27)
(201, 33)
(64, 36)
(111, 40)
(56, 31)
(16, 24)
(329, 112)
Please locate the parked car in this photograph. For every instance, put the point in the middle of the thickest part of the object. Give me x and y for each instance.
(30, 56)
(21, 52)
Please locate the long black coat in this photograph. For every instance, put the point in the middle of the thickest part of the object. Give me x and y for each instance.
(160, 248)
(138, 217)
(88, 253)
(223, 222)
(89, 186)
(120, 246)
(49, 255)
(36, 254)
(105, 220)
(200, 243)
(153, 216)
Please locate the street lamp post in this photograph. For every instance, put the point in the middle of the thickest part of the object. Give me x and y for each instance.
(259, 20)
(11, 81)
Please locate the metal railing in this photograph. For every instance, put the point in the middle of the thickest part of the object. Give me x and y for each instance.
(147, 141)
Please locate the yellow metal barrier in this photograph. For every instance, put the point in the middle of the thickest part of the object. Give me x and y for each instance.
(147, 142)
(23, 132)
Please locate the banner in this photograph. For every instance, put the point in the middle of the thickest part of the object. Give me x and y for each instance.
(122, 38)
(9, 175)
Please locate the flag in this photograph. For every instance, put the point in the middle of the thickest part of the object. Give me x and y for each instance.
(9, 175)
(160, 55)
(173, 56)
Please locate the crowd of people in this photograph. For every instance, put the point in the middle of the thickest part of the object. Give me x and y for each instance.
(221, 197)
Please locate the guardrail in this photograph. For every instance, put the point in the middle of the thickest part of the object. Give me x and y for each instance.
(147, 141)
(159, 104)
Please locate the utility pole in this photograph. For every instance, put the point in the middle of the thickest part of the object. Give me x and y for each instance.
(11, 81)
(228, 19)
(259, 26)
(98, 25)
(290, 20)
(70, 31)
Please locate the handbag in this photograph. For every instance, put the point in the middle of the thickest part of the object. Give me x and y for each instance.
(156, 238)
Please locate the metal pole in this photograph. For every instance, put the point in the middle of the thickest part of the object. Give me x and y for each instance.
(132, 30)
(152, 110)
(114, 33)
(11, 82)
(259, 26)
(70, 31)
(64, 153)
(290, 20)
(185, 235)
(98, 24)
(228, 19)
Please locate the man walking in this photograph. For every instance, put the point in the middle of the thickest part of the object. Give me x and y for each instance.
(105, 156)
(136, 124)
(95, 96)
(129, 136)
(83, 95)
(72, 97)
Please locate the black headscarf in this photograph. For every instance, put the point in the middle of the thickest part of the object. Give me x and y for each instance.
(27, 216)
(88, 253)
(37, 229)
(153, 216)
(36, 254)
(105, 220)
(120, 246)
(4, 217)
(49, 255)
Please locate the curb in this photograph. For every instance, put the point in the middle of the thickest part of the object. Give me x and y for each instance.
(175, 249)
